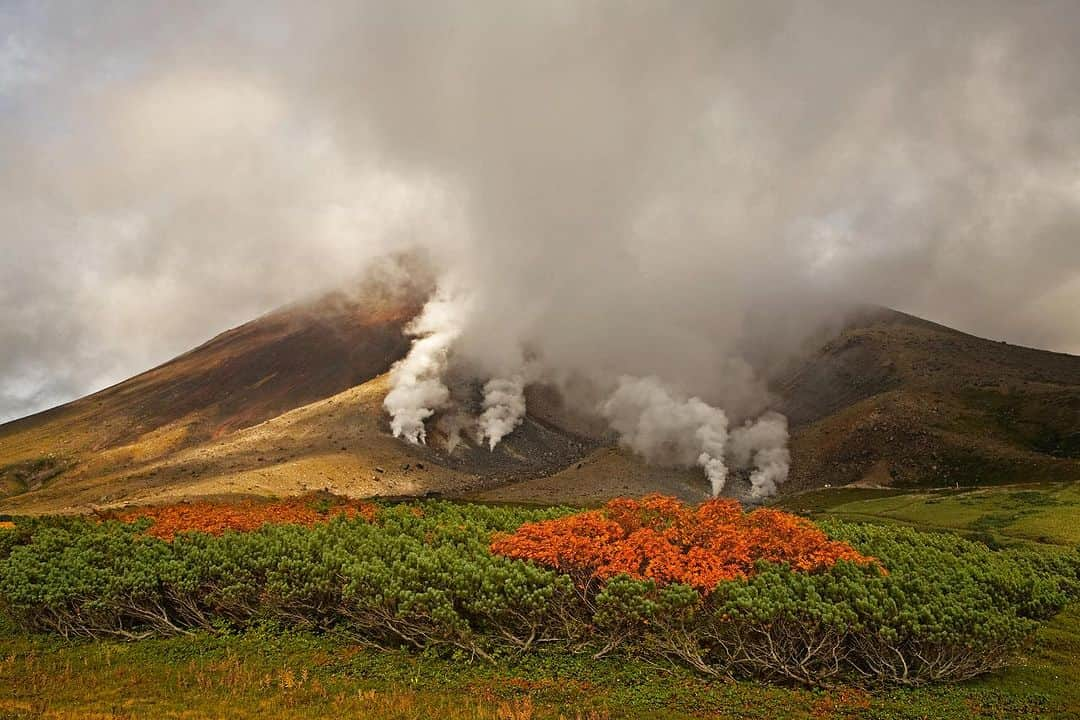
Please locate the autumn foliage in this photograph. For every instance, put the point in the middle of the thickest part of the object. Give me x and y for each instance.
(215, 519)
(665, 540)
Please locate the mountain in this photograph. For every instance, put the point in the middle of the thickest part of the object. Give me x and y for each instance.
(897, 400)
(292, 402)
(287, 403)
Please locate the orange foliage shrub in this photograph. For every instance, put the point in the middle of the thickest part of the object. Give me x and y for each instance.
(216, 518)
(663, 539)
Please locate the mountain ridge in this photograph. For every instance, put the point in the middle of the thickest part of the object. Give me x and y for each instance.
(292, 401)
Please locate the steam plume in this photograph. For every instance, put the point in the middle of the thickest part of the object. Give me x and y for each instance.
(666, 429)
(417, 385)
(656, 201)
(504, 408)
(762, 445)
(453, 424)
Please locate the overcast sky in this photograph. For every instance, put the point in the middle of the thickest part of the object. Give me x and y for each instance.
(168, 170)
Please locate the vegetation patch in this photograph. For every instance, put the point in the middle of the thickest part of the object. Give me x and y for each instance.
(33, 474)
(1045, 422)
(421, 576)
(666, 541)
(1042, 512)
(167, 521)
(271, 671)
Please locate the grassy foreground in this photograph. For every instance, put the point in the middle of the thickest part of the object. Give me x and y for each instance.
(269, 672)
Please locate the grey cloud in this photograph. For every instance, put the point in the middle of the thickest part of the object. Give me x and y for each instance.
(641, 188)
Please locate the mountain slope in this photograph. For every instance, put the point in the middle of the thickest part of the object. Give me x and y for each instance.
(293, 402)
(281, 361)
(289, 402)
(899, 400)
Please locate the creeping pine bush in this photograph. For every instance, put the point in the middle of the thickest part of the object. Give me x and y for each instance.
(423, 576)
(664, 539)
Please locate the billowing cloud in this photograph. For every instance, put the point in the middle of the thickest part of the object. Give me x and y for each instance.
(670, 190)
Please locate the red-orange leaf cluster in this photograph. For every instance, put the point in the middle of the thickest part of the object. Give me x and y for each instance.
(664, 539)
(216, 518)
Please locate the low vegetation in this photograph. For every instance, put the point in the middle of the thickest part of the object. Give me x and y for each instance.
(1042, 513)
(664, 540)
(33, 474)
(217, 519)
(271, 671)
(866, 605)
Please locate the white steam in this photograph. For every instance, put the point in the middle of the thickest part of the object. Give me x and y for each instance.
(654, 421)
(504, 409)
(417, 389)
(453, 424)
(668, 430)
(762, 445)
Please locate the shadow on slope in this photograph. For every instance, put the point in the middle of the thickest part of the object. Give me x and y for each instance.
(899, 400)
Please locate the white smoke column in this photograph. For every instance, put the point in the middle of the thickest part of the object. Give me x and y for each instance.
(453, 439)
(504, 408)
(418, 389)
(668, 430)
(762, 444)
(454, 424)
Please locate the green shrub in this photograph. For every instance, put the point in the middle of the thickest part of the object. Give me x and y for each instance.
(422, 577)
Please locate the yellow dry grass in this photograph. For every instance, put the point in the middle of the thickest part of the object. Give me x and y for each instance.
(337, 443)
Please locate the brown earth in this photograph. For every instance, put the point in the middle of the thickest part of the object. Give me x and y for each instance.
(291, 403)
(896, 400)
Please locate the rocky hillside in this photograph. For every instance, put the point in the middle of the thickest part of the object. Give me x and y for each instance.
(899, 400)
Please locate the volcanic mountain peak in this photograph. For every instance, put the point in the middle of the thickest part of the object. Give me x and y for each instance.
(292, 402)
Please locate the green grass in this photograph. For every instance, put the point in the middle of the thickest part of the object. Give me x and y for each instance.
(273, 673)
(1045, 512)
(822, 501)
